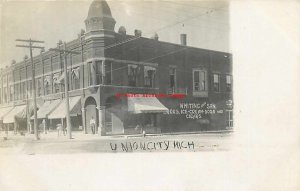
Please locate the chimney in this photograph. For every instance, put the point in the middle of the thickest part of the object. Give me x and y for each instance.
(137, 33)
(122, 30)
(155, 36)
(183, 39)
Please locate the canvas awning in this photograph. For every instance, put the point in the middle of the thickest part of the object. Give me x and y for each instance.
(16, 112)
(60, 111)
(145, 105)
(46, 109)
(4, 111)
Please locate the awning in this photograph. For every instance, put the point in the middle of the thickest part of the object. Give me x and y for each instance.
(16, 112)
(145, 105)
(46, 109)
(60, 111)
(4, 111)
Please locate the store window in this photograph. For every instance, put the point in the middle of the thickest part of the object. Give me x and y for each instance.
(149, 76)
(150, 120)
(229, 118)
(216, 81)
(199, 80)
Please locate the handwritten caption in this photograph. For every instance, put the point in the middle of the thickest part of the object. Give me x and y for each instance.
(152, 146)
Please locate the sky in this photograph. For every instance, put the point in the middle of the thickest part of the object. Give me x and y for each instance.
(205, 23)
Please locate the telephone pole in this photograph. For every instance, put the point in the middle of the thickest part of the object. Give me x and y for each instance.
(65, 52)
(31, 47)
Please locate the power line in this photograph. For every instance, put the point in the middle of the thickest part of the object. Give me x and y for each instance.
(162, 28)
(168, 53)
(31, 47)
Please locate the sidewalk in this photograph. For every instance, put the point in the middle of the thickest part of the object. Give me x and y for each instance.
(79, 135)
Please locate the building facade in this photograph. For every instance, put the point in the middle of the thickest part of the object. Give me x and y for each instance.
(125, 82)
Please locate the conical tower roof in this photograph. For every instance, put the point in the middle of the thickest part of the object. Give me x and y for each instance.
(99, 8)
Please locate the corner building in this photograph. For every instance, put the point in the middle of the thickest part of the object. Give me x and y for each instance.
(111, 64)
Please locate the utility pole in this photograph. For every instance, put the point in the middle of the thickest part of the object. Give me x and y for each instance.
(31, 47)
(65, 52)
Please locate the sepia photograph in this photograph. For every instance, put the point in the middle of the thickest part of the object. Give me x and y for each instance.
(170, 95)
(117, 83)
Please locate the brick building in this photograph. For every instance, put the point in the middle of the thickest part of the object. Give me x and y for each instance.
(114, 63)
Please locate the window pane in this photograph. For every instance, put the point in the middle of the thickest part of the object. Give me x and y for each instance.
(132, 74)
(149, 73)
(108, 73)
(199, 80)
(196, 76)
(202, 81)
(216, 78)
(228, 79)
(172, 72)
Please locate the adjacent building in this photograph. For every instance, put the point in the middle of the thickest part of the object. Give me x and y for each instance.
(109, 68)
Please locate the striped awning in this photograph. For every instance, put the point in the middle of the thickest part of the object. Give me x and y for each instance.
(46, 109)
(60, 111)
(16, 112)
(4, 111)
(145, 105)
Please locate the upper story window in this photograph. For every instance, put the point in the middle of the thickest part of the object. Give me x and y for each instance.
(29, 89)
(216, 81)
(23, 90)
(108, 73)
(11, 96)
(76, 78)
(0, 95)
(149, 76)
(132, 74)
(228, 83)
(172, 78)
(16, 91)
(5, 94)
(95, 72)
(4, 80)
(199, 80)
(56, 82)
(47, 84)
(39, 86)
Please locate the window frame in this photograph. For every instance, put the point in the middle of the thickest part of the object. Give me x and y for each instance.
(175, 77)
(229, 75)
(110, 72)
(216, 83)
(136, 76)
(205, 80)
(229, 118)
(152, 79)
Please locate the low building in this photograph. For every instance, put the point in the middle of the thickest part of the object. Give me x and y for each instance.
(127, 83)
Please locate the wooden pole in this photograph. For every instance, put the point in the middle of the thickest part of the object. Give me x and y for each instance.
(68, 118)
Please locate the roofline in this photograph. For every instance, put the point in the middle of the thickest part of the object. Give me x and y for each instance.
(144, 38)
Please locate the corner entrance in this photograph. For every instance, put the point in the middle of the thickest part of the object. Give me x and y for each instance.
(91, 111)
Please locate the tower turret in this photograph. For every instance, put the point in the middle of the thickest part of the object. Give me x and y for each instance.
(99, 22)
